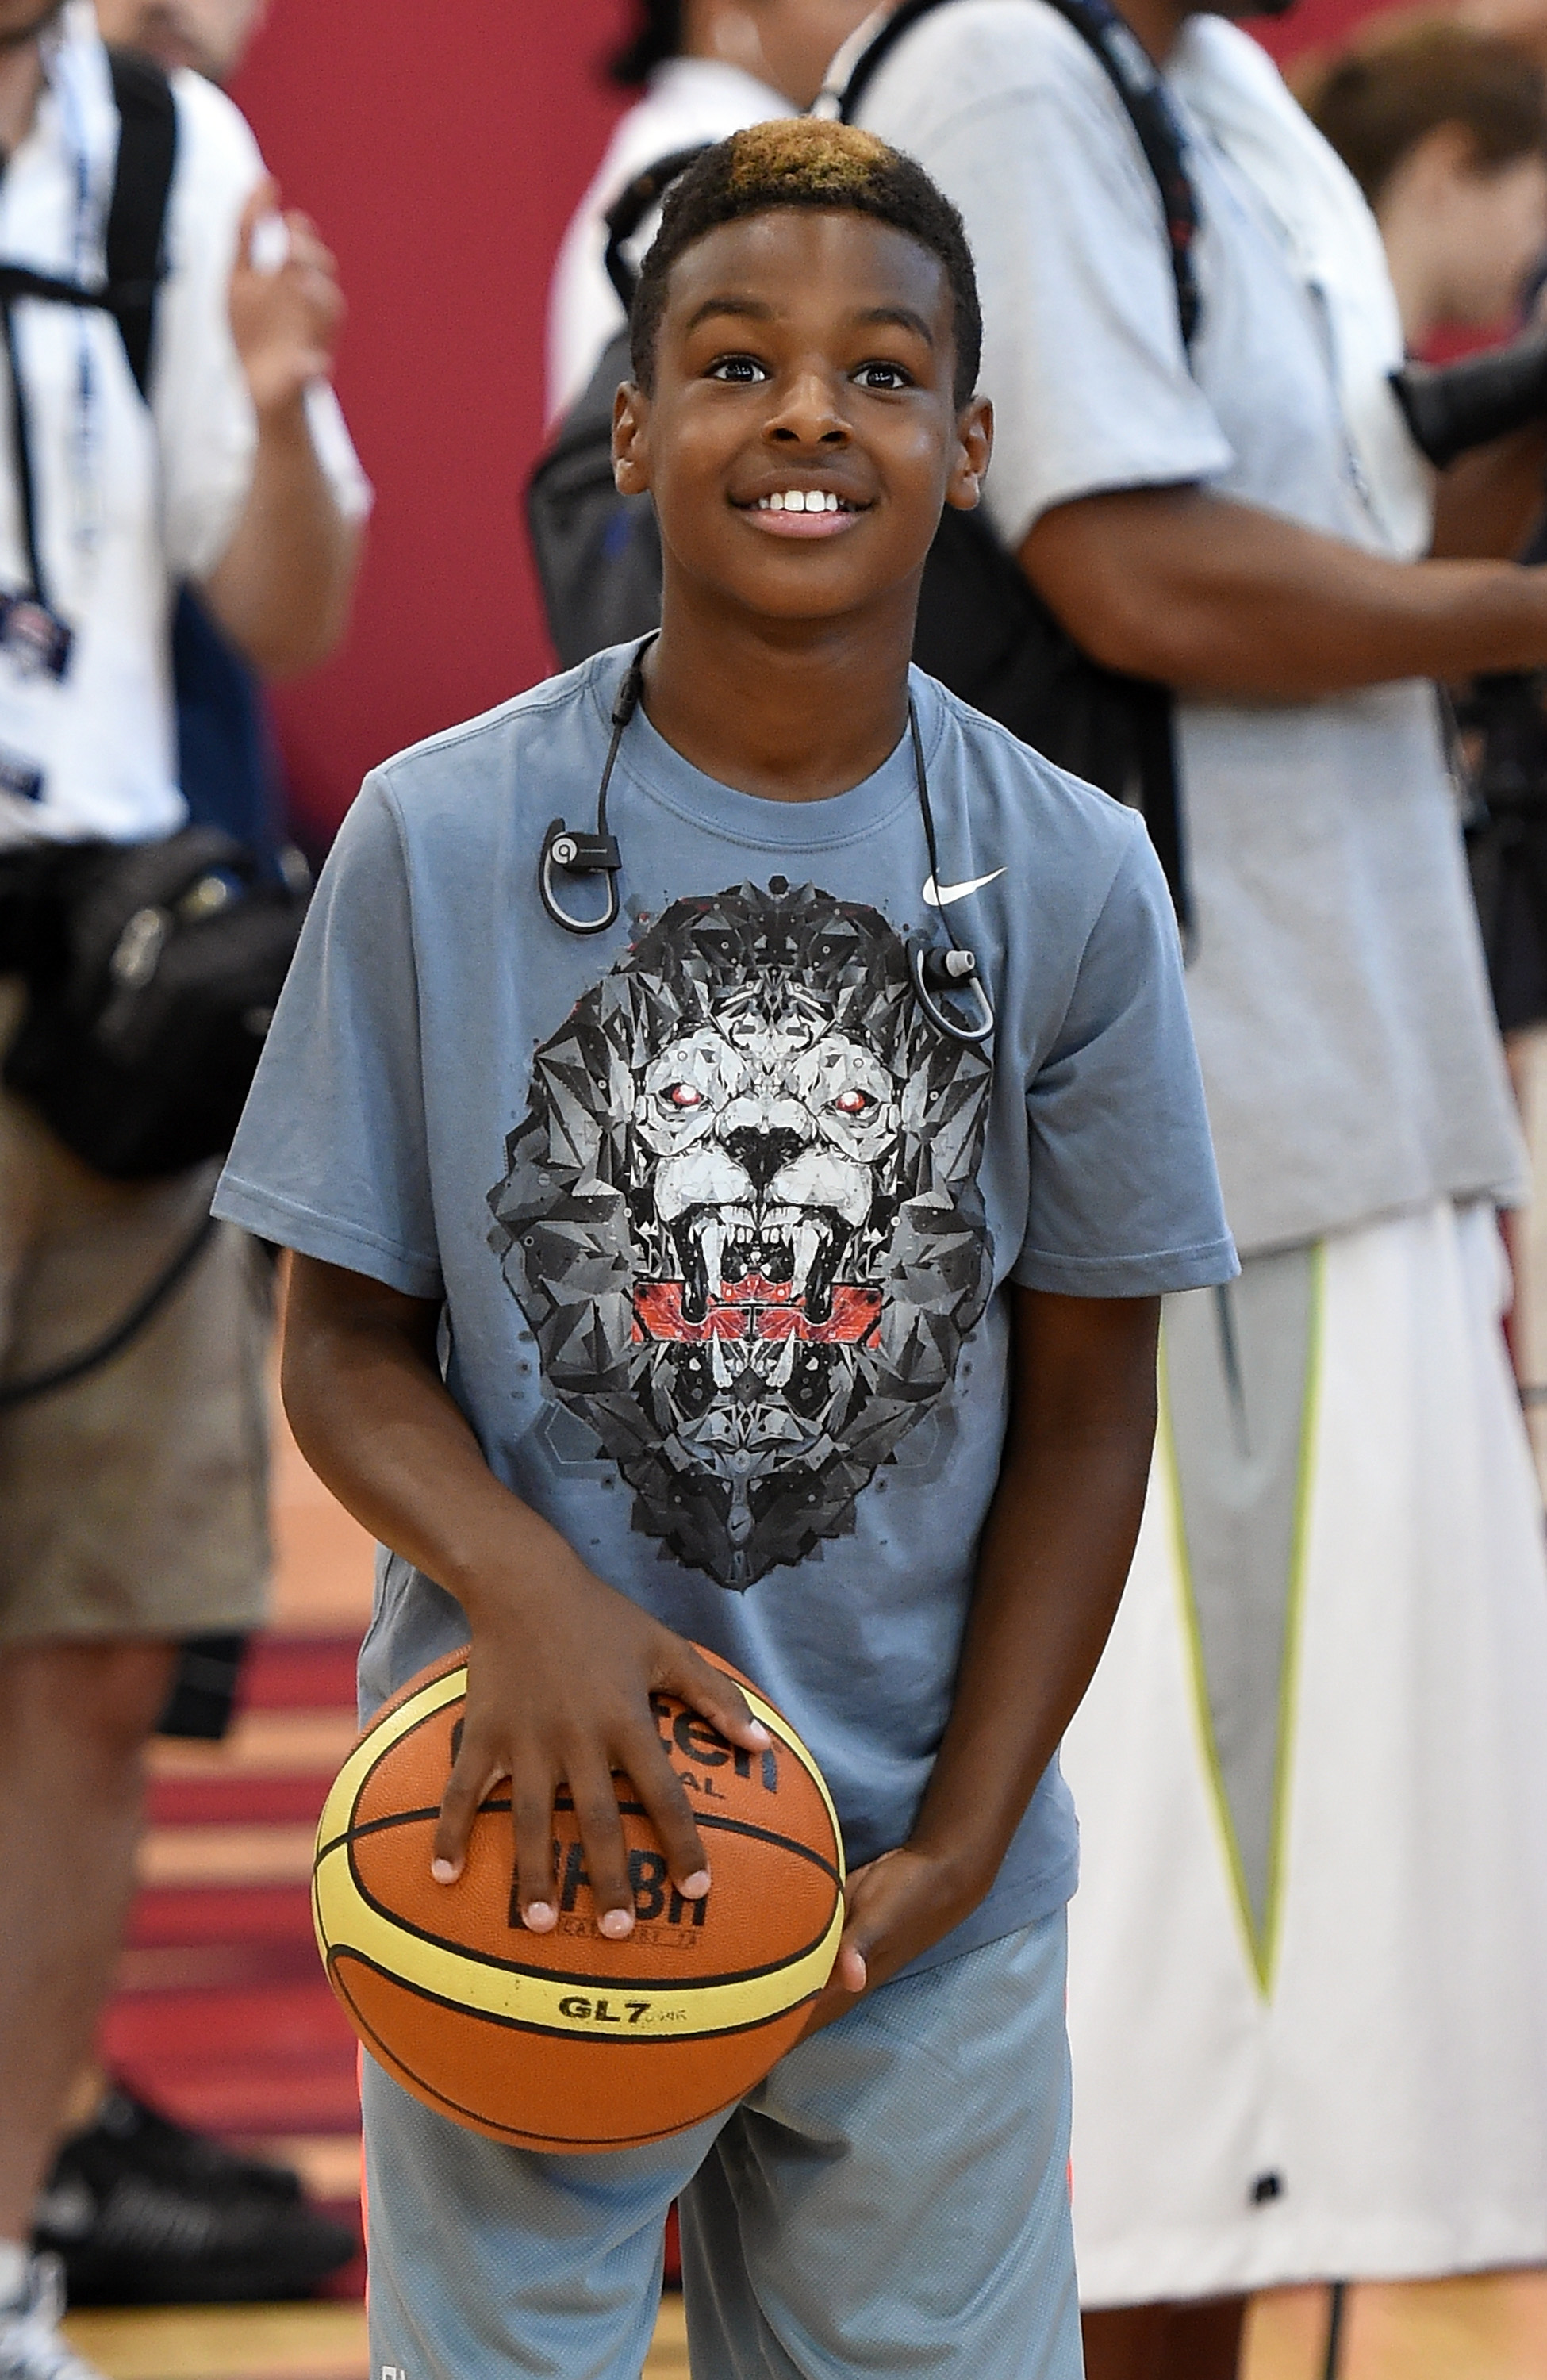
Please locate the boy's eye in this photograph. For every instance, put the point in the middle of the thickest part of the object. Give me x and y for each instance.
(883, 376)
(742, 369)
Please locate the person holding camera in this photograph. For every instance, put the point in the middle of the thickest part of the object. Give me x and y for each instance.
(1309, 1965)
(166, 424)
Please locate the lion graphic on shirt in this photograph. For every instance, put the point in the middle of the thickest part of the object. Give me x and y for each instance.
(741, 1217)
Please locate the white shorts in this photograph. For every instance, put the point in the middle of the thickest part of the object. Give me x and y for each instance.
(1309, 1957)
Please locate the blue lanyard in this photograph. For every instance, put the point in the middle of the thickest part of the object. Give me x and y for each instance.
(89, 226)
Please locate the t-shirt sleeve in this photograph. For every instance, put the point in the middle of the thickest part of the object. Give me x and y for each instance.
(1083, 356)
(331, 1157)
(1124, 1199)
(206, 429)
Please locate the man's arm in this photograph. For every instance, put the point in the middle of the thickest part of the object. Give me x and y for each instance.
(562, 1666)
(1216, 597)
(281, 589)
(1052, 1566)
(1491, 500)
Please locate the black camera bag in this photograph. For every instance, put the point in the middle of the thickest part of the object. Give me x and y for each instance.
(153, 970)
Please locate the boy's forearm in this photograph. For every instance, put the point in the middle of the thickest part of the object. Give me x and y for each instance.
(1053, 1563)
(1052, 1566)
(561, 1667)
(373, 1418)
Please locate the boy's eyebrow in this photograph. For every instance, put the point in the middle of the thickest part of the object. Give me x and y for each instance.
(902, 318)
(756, 309)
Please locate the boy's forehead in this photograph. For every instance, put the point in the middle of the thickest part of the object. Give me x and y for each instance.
(834, 259)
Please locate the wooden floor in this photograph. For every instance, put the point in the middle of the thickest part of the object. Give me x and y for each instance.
(232, 2028)
(1490, 2328)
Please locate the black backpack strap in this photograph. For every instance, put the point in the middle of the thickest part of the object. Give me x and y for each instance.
(1138, 83)
(629, 208)
(137, 220)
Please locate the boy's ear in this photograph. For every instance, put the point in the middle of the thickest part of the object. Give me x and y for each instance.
(631, 445)
(974, 445)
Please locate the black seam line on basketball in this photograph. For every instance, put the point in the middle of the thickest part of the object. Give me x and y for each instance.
(566, 1976)
(626, 1809)
(576, 2031)
(387, 2061)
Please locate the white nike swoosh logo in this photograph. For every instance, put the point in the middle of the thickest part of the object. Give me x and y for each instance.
(940, 897)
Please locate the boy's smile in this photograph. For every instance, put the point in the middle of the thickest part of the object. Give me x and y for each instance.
(804, 511)
(803, 433)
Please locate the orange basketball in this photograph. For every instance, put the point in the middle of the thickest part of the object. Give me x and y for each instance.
(567, 2041)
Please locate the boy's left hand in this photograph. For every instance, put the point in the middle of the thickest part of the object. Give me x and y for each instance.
(900, 1905)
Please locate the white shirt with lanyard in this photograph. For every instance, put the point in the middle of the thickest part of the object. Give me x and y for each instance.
(127, 499)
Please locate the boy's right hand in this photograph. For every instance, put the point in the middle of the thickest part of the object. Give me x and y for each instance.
(559, 1680)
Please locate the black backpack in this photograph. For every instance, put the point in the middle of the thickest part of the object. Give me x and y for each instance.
(137, 216)
(152, 968)
(983, 628)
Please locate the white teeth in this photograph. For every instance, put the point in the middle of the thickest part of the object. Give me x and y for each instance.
(800, 499)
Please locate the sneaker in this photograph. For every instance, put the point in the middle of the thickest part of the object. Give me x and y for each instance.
(144, 2213)
(31, 2347)
(154, 2145)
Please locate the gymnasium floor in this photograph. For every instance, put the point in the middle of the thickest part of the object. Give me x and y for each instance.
(223, 2015)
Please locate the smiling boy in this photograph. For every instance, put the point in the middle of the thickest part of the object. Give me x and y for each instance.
(785, 1306)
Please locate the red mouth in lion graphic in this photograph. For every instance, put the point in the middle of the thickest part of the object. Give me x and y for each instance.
(755, 1308)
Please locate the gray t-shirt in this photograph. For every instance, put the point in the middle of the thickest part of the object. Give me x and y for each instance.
(1337, 992)
(722, 1224)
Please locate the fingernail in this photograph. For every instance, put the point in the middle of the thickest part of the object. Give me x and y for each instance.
(760, 1734)
(616, 1923)
(864, 1974)
(695, 1886)
(444, 1871)
(537, 1918)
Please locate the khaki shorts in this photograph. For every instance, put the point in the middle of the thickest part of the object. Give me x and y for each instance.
(134, 1502)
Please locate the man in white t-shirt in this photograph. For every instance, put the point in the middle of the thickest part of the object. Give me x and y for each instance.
(709, 68)
(131, 1503)
(1309, 1957)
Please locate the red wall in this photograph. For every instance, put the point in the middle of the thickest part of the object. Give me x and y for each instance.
(1314, 23)
(441, 148)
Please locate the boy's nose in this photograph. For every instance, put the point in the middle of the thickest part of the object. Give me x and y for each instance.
(810, 415)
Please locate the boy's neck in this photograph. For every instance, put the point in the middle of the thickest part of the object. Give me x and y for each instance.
(793, 711)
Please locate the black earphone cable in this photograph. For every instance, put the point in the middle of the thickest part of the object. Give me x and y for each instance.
(936, 974)
(625, 703)
(926, 813)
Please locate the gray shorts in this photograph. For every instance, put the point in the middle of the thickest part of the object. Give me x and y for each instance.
(134, 1502)
(893, 2201)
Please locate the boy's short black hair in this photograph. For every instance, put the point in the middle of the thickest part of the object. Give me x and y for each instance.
(801, 161)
